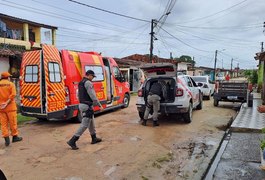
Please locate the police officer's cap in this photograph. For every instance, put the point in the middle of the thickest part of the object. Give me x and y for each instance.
(90, 72)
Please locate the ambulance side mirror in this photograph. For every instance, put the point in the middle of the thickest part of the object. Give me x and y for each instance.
(121, 78)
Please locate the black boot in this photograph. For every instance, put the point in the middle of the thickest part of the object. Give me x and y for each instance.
(155, 123)
(95, 139)
(7, 141)
(72, 142)
(16, 139)
(144, 122)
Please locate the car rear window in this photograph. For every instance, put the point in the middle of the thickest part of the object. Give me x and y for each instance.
(199, 79)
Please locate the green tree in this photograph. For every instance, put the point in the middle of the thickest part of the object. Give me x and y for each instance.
(252, 76)
(186, 58)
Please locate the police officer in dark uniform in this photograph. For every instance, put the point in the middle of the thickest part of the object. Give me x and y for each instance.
(87, 97)
(153, 101)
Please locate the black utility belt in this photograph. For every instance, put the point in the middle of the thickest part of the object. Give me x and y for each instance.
(87, 103)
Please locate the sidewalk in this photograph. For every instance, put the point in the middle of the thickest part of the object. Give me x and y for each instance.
(241, 157)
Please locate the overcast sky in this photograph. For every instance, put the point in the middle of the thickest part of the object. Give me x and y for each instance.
(196, 28)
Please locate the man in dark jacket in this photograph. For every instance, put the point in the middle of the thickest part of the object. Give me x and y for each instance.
(153, 101)
(87, 97)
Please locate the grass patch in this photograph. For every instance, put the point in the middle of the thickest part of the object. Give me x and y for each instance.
(157, 165)
(144, 178)
(166, 158)
(21, 118)
(134, 93)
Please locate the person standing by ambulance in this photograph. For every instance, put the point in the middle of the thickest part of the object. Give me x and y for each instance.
(8, 109)
(87, 97)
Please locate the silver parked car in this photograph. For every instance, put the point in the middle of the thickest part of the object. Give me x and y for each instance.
(206, 85)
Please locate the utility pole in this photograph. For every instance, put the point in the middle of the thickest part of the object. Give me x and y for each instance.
(237, 68)
(152, 39)
(261, 64)
(231, 67)
(215, 59)
(171, 57)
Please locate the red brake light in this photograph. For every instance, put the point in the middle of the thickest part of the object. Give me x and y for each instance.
(140, 92)
(179, 92)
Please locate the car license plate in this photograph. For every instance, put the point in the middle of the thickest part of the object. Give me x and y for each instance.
(231, 97)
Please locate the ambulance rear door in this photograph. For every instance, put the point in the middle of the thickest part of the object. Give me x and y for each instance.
(30, 84)
(53, 83)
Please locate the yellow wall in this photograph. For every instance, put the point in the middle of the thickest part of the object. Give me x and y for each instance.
(26, 31)
(19, 42)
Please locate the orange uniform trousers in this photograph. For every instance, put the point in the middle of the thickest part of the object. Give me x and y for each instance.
(8, 120)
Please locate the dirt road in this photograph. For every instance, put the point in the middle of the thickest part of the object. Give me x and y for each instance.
(174, 150)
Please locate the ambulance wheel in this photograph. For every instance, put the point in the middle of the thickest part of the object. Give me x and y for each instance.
(126, 100)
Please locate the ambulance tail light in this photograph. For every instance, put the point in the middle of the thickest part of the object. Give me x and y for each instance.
(179, 92)
(140, 92)
(67, 96)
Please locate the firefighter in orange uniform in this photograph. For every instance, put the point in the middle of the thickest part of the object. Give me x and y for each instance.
(8, 109)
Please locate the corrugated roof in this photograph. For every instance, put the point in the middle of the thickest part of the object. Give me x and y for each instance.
(7, 52)
(15, 19)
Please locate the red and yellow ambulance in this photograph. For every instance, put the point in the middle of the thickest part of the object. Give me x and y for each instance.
(49, 82)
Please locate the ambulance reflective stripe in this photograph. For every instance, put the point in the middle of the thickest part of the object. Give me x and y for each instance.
(102, 95)
(30, 91)
(55, 90)
(76, 62)
(96, 60)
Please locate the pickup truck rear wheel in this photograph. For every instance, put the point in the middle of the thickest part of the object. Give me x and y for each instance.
(188, 115)
(199, 107)
(209, 97)
(215, 102)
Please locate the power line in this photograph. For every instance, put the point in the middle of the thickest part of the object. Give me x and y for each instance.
(212, 37)
(257, 25)
(76, 13)
(208, 16)
(59, 16)
(133, 41)
(107, 11)
(168, 9)
(108, 37)
(183, 41)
